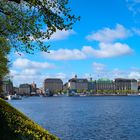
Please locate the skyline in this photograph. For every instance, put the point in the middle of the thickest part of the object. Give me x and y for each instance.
(105, 43)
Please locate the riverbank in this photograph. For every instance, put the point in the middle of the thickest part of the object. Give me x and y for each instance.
(14, 125)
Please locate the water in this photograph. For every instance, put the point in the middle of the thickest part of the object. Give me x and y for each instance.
(85, 118)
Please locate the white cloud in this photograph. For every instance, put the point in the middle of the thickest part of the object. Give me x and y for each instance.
(30, 75)
(30, 72)
(107, 50)
(60, 35)
(28, 64)
(13, 72)
(27, 71)
(109, 35)
(98, 66)
(27, 76)
(65, 54)
(131, 74)
(133, 6)
(117, 73)
(101, 71)
(62, 76)
(134, 74)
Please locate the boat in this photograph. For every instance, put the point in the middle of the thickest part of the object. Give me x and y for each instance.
(136, 94)
(55, 95)
(8, 97)
(16, 97)
(83, 95)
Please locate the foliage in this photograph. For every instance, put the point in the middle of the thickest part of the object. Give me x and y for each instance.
(92, 91)
(65, 91)
(26, 23)
(16, 126)
(4, 50)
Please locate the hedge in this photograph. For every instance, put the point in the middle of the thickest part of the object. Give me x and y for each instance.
(14, 125)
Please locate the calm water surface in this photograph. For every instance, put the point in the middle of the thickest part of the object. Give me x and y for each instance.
(85, 118)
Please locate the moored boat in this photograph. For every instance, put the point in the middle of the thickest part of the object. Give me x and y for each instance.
(16, 97)
(8, 97)
(136, 94)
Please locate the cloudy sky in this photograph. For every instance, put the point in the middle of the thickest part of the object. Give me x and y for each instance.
(105, 43)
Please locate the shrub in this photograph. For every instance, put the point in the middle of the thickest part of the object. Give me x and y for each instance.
(14, 125)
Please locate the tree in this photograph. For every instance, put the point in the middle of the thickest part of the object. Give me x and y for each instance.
(26, 23)
(4, 50)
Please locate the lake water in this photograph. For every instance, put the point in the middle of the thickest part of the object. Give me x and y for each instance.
(85, 118)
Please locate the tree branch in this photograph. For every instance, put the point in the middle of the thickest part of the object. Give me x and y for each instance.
(2, 11)
(17, 1)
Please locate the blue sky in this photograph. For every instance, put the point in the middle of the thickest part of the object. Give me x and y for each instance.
(104, 43)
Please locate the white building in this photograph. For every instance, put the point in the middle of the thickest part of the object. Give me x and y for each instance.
(134, 85)
(78, 84)
(126, 84)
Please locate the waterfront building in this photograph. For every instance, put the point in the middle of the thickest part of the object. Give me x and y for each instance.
(33, 87)
(126, 85)
(105, 86)
(25, 89)
(134, 85)
(39, 91)
(16, 90)
(53, 85)
(139, 85)
(91, 85)
(78, 84)
(7, 87)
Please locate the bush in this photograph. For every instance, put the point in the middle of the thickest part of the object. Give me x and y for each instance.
(14, 125)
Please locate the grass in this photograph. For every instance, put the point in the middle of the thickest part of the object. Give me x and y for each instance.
(14, 125)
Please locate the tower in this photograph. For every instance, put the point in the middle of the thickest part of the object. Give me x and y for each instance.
(75, 76)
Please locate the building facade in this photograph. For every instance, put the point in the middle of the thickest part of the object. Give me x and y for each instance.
(25, 89)
(39, 91)
(139, 85)
(78, 84)
(105, 86)
(91, 85)
(53, 85)
(126, 85)
(7, 87)
(33, 88)
(16, 90)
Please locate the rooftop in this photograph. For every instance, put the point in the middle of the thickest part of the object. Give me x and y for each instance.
(78, 80)
(57, 80)
(126, 80)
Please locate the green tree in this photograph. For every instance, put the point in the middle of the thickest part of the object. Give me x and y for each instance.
(26, 23)
(4, 50)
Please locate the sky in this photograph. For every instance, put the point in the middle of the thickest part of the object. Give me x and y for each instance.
(105, 43)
